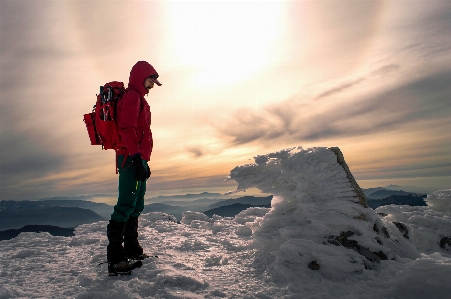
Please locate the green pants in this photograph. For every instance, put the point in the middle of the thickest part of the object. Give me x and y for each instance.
(130, 202)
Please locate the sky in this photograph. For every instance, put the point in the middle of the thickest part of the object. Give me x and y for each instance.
(240, 78)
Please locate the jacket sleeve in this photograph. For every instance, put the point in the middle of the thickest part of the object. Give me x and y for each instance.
(128, 122)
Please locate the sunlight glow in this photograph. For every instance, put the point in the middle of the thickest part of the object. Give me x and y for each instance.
(224, 42)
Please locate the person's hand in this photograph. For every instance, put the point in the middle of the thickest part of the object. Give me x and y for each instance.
(140, 171)
(148, 171)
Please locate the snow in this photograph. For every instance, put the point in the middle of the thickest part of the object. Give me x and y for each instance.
(440, 201)
(288, 251)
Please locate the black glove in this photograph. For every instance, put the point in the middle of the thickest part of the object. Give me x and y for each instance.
(140, 171)
(148, 171)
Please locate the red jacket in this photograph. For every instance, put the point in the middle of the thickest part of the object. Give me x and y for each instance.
(133, 114)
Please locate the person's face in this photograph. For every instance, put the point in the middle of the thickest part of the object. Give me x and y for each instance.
(148, 83)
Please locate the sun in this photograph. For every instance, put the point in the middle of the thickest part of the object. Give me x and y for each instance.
(224, 41)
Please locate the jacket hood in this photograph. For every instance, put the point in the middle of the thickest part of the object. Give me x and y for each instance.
(140, 71)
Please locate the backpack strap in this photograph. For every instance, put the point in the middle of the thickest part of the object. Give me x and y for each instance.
(123, 162)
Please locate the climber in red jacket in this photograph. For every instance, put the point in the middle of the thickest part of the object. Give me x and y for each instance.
(133, 122)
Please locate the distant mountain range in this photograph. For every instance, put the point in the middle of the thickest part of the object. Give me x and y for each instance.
(176, 211)
(72, 212)
(408, 189)
(219, 207)
(203, 196)
(16, 214)
(411, 199)
(232, 210)
(377, 197)
(247, 200)
(384, 193)
(102, 209)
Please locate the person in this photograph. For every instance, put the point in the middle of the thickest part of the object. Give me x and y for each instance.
(133, 123)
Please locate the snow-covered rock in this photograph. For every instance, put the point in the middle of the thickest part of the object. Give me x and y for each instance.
(427, 228)
(188, 217)
(319, 214)
(440, 201)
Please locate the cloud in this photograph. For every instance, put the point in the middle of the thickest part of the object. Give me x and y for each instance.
(347, 85)
(340, 88)
(207, 182)
(23, 164)
(23, 158)
(413, 170)
(421, 99)
(196, 151)
(432, 27)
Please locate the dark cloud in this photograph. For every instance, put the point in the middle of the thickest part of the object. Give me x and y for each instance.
(433, 31)
(423, 99)
(23, 165)
(25, 159)
(196, 151)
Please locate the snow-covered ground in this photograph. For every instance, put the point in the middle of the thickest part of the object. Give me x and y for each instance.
(292, 250)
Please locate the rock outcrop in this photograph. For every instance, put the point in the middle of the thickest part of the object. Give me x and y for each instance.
(327, 224)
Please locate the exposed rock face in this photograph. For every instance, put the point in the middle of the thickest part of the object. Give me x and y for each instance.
(358, 191)
(445, 243)
(343, 240)
(402, 228)
(323, 210)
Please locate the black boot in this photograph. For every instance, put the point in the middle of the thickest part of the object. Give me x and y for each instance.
(115, 252)
(118, 263)
(131, 244)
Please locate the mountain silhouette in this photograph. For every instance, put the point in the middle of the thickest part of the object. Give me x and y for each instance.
(16, 214)
(231, 210)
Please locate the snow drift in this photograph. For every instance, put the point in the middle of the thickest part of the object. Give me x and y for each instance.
(440, 201)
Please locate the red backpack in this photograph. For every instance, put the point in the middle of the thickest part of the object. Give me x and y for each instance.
(101, 122)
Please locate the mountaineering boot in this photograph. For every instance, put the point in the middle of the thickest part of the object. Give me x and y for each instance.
(115, 252)
(118, 263)
(123, 268)
(131, 244)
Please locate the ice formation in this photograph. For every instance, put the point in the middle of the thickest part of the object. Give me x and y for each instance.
(319, 217)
